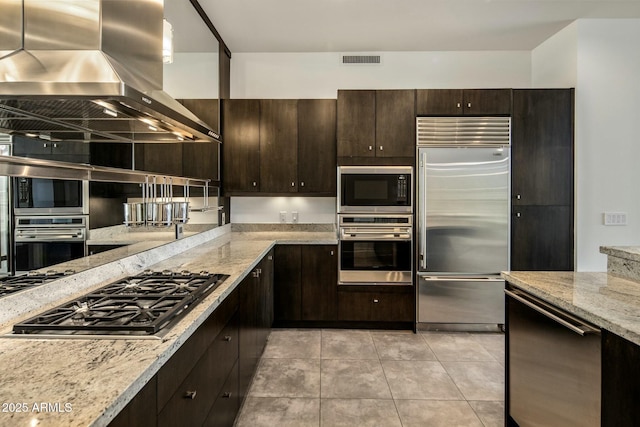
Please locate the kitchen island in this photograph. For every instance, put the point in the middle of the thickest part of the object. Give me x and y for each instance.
(573, 345)
(87, 382)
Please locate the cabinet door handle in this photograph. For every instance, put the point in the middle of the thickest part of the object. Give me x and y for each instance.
(190, 394)
(331, 253)
(226, 394)
(518, 214)
(293, 184)
(227, 338)
(518, 197)
(254, 183)
(370, 148)
(45, 145)
(255, 273)
(468, 105)
(458, 105)
(381, 148)
(55, 145)
(301, 183)
(375, 301)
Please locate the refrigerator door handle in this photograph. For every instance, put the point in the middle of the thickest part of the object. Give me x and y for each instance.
(461, 278)
(423, 211)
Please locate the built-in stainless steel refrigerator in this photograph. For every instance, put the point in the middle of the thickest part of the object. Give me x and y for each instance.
(463, 220)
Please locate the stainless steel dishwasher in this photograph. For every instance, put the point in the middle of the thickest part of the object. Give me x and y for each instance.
(553, 365)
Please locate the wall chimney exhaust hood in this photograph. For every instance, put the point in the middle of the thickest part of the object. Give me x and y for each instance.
(91, 71)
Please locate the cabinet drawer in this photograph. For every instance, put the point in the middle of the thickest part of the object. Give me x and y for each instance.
(193, 399)
(174, 372)
(224, 410)
(376, 306)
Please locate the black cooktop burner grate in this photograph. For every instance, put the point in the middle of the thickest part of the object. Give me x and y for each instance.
(13, 284)
(142, 304)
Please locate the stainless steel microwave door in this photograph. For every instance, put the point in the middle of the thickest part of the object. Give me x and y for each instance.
(463, 212)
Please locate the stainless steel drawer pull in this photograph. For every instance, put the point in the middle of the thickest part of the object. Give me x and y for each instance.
(226, 394)
(190, 394)
(547, 310)
(375, 301)
(227, 337)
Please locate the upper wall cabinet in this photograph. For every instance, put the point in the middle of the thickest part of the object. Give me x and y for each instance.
(376, 124)
(456, 102)
(279, 146)
(241, 148)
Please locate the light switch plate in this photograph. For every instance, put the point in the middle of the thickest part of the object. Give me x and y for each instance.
(614, 218)
(294, 217)
(283, 217)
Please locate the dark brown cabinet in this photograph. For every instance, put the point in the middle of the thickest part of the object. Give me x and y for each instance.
(141, 410)
(456, 102)
(376, 303)
(620, 381)
(241, 148)
(256, 319)
(305, 283)
(376, 124)
(317, 146)
(356, 128)
(165, 159)
(63, 151)
(278, 146)
(542, 180)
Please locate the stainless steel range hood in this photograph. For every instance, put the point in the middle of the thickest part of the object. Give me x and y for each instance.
(89, 70)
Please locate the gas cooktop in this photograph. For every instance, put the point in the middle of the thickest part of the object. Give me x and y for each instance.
(12, 284)
(135, 306)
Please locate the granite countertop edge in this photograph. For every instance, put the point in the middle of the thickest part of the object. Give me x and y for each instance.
(591, 296)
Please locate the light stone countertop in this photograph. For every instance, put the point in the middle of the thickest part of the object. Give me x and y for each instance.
(86, 382)
(626, 252)
(607, 301)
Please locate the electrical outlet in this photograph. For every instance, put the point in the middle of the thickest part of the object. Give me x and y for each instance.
(283, 217)
(614, 218)
(294, 217)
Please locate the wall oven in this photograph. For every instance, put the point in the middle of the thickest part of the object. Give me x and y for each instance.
(375, 249)
(370, 189)
(42, 241)
(42, 196)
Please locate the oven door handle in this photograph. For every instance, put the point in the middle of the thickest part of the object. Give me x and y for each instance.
(374, 235)
(47, 235)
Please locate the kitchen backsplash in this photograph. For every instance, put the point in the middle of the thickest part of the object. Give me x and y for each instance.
(281, 210)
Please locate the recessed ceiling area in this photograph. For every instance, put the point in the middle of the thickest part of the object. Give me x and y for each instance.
(394, 25)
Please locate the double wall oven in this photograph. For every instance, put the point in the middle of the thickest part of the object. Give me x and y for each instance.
(51, 221)
(375, 221)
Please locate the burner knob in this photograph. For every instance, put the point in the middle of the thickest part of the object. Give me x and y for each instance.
(190, 394)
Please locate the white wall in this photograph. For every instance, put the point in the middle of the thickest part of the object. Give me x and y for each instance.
(607, 125)
(554, 62)
(192, 75)
(320, 75)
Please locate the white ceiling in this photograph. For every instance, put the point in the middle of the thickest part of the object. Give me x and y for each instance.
(386, 25)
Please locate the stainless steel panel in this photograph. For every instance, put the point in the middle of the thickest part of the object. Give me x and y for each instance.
(63, 25)
(463, 209)
(554, 373)
(449, 300)
(10, 26)
(469, 131)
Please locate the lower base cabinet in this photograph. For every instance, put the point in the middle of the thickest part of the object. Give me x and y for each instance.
(376, 303)
(204, 382)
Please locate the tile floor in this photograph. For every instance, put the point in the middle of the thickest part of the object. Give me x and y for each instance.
(313, 377)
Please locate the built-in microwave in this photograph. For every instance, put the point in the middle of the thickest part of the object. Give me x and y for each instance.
(371, 189)
(42, 196)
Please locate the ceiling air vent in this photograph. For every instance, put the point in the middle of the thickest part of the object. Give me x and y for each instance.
(361, 59)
